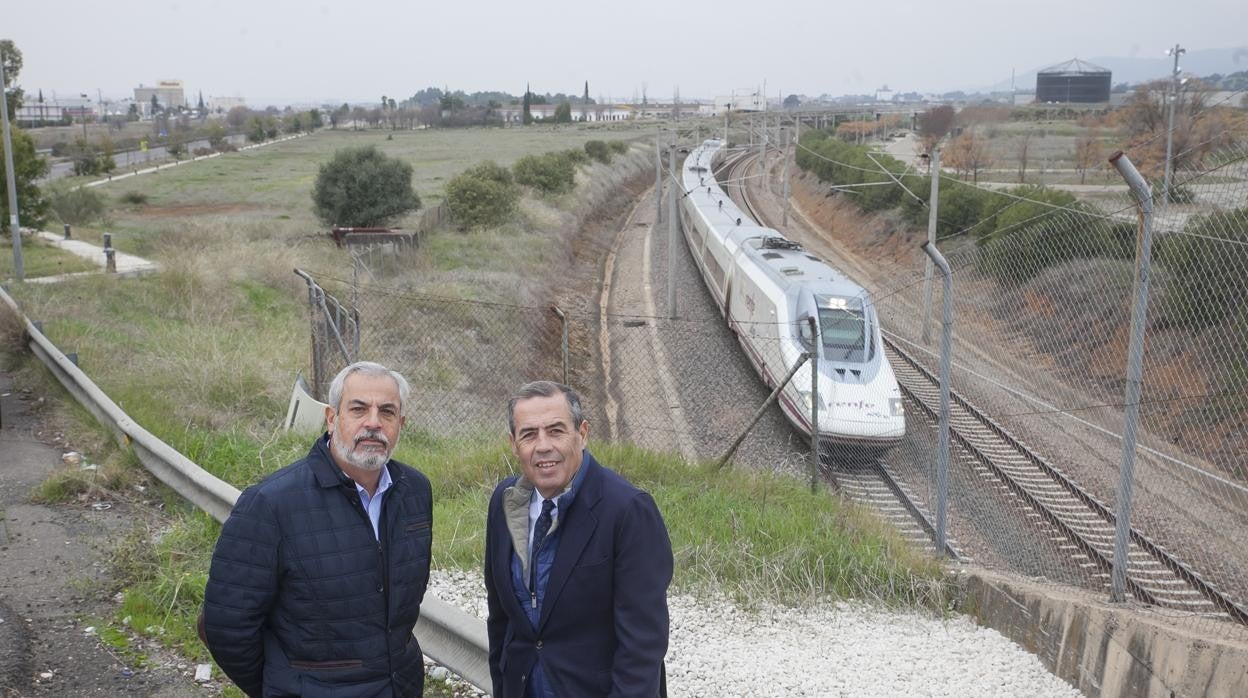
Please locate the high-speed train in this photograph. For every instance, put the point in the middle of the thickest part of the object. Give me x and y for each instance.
(768, 288)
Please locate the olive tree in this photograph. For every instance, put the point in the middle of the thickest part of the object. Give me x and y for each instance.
(363, 187)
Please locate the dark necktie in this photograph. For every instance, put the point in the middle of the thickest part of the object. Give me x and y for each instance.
(541, 528)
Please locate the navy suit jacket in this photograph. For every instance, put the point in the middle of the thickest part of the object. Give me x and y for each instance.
(604, 623)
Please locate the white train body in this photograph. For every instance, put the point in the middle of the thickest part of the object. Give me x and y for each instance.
(768, 288)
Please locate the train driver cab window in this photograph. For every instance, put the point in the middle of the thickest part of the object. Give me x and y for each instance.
(844, 330)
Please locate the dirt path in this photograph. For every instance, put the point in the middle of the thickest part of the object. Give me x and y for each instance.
(53, 576)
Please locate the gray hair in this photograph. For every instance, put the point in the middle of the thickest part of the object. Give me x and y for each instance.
(545, 389)
(368, 368)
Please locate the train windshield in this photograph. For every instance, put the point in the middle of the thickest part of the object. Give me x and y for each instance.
(845, 328)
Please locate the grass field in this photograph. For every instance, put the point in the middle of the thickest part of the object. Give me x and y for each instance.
(40, 259)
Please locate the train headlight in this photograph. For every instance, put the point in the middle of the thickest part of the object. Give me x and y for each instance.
(896, 407)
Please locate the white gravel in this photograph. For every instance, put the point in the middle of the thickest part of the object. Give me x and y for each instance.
(842, 649)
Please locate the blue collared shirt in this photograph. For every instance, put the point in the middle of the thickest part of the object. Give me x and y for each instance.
(372, 504)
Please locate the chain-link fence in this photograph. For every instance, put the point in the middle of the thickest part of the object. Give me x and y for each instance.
(1043, 292)
(1042, 310)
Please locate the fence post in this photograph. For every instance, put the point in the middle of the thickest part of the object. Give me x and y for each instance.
(946, 349)
(67, 232)
(316, 362)
(814, 403)
(110, 257)
(673, 224)
(563, 341)
(1135, 371)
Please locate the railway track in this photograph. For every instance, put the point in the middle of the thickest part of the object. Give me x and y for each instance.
(1081, 526)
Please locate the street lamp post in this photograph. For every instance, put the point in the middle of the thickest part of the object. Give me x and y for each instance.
(15, 228)
(1165, 181)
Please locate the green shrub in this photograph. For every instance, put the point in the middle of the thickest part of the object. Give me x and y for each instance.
(482, 196)
(576, 156)
(1206, 282)
(1028, 236)
(549, 173)
(363, 187)
(619, 147)
(1178, 194)
(134, 198)
(845, 164)
(75, 205)
(599, 151)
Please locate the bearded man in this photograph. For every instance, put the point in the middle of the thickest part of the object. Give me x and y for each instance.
(318, 575)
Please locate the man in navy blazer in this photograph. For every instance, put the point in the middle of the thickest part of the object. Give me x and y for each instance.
(577, 564)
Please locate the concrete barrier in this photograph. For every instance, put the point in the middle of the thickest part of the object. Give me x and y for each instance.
(1104, 649)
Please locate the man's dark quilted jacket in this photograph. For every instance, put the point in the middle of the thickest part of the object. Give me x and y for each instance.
(303, 600)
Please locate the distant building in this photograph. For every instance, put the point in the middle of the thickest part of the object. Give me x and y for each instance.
(740, 101)
(884, 94)
(514, 113)
(1074, 81)
(222, 105)
(168, 95)
(37, 114)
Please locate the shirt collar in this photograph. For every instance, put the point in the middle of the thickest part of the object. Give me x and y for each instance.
(383, 483)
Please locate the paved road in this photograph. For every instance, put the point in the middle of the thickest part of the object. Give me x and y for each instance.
(129, 160)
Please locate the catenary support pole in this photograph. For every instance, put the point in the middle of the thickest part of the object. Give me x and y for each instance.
(1174, 98)
(1135, 371)
(946, 349)
(673, 225)
(932, 205)
(15, 226)
(784, 176)
(658, 175)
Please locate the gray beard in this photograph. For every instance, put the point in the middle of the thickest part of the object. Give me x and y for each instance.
(370, 462)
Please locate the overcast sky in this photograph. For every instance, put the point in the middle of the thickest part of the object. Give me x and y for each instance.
(278, 52)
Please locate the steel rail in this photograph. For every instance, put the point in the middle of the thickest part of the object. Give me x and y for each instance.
(1180, 569)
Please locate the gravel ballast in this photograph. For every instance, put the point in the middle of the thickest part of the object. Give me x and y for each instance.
(835, 649)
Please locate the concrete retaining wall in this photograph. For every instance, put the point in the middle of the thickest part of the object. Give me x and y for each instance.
(1107, 650)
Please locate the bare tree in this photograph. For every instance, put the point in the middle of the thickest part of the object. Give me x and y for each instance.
(1024, 145)
(935, 123)
(968, 155)
(1087, 151)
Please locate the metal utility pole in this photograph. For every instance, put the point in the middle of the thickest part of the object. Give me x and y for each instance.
(1135, 371)
(931, 240)
(15, 228)
(1165, 182)
(762, 143)
(658, 175)
(784, 175)
(672, 233)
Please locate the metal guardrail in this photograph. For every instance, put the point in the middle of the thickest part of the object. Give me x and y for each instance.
(447, 635)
